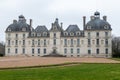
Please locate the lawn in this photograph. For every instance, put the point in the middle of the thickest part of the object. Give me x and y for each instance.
(75, 72)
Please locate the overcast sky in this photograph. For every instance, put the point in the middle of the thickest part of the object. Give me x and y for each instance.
(44, 12)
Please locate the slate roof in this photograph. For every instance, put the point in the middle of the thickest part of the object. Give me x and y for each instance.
(97, 23)
(41, 29)
(72, 28)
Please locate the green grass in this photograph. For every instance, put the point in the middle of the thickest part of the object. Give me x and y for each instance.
(75, 72)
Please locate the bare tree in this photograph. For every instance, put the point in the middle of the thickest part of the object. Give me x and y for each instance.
(116, 46)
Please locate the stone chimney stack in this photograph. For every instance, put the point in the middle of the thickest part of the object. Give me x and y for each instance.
(61, 25)
(14, 21)
(92, 17)
(31, 24)
(105, 18)
(84, 21)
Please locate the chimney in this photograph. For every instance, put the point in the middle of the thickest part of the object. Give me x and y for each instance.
(92, 17)
(31, 24)
(61, 25)
(14, 21)
(105, 18)
(84, 21)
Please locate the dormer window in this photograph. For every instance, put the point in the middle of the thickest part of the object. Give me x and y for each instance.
(88, 27)
(23, 29)
(72, 34)
(65, 33)
(44, 33)
(9, 29)
(32, 34)
(106, 27)
(77, 33)
(38, 34)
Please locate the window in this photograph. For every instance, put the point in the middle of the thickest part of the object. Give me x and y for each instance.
(88, 27)
(8, 42)
(72, 34)
(23, 42)
(72, 42)
(8, 50)
(16, 42)
(16, 35)
(44, 33)
(23, 35)
(89, 51)
(88, 34)
(106, 51)
(106, 42)
(65, 41)
(16, 51)
(97, 34)
(106, 34)
(77, 33)
(23, 50)
(65, 33)
(78, 51)
(71, 50)
(39, 51)
(38, 34)
(9, 29)
(44, 51)
(65, 50)
(33, 42)
(97, 41)
(78, 41)
(44, 42)
(32, 34)
(32, 51)
(97, 51)
(54, 35)
(89, 41)
(38, 42)
(54, 41)
(106, 27)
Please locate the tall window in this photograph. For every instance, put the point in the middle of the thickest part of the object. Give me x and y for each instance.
(44, 42)
(32, 51)
(97, 41)
(89, 51)
(33, 42)
(71, 50)
(65, 50)
(8, 50)
(8, 42)
(78, 41)
(106, 34)
(16, 35)
(23, 42)
(54, 41)
(54, 35)
(88, 34)
(106, 51)
(44, 51)
(65, 41)
(89, 41)
(39, 51)
(71, 41)
(106, 41)
(16, 42)
(23, 50)
(97, 34)
(16, 50)
(23, 35)
(78, 51)
(97, 51)
(38, 42)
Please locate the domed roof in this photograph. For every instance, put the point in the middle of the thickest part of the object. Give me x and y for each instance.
(97, 24)
(18, 26)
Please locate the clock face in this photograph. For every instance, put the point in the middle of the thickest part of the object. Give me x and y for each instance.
(106, 27)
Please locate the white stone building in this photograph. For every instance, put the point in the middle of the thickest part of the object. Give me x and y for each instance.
(93, 41)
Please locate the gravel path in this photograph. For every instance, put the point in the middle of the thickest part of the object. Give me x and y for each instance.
(6, 62)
